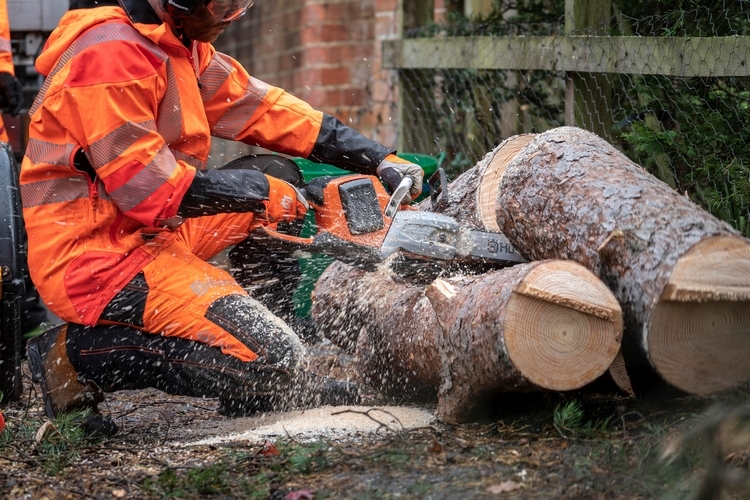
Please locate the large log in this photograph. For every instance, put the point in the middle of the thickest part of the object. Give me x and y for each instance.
(681, 276)
(390, 325)
(543, 325)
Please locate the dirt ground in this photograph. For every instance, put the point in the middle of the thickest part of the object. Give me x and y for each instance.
(583, 445)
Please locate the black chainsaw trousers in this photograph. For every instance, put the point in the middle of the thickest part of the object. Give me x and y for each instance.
(119, 357)
(123, 356)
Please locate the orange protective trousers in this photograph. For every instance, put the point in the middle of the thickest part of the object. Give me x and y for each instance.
(182, 288)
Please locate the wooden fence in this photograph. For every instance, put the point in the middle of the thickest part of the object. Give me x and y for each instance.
(585, 59)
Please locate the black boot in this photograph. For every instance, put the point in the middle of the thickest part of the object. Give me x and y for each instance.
(62, 389)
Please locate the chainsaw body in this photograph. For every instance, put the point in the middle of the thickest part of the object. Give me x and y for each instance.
(360, 224)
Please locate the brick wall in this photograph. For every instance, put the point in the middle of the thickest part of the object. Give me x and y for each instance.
(327, 52)
(441, 11)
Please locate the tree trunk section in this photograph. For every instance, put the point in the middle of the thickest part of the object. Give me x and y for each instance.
(390, 326)
(544, 325)
(470, 191)
(681, 276)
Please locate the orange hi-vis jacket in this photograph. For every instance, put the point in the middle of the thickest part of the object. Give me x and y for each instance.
(6, 55)
(117, 133)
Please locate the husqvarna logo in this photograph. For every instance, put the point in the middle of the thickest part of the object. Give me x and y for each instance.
(286, 202)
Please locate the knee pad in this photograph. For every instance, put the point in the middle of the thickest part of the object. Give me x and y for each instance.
(254, 325)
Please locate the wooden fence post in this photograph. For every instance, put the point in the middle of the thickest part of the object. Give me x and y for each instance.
(477, 7)
(415, 86)
(588, 95)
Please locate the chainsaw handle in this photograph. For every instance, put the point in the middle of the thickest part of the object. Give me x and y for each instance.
(398, 196)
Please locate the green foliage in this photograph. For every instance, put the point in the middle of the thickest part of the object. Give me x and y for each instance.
(508, 17)
(465, 111)
(568, 416)
(686, 17)
(569, 419)
(690, 132)
(468, 110)
(696, 127)
(305, 458)
(59, 445)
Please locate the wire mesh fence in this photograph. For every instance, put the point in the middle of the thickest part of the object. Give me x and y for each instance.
(667, 85)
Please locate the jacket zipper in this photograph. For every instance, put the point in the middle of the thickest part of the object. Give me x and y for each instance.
(93, 189)
(195, 68)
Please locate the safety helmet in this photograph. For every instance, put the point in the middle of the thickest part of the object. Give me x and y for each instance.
(222, 10)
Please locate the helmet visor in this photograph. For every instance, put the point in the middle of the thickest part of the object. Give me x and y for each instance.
(229, 10)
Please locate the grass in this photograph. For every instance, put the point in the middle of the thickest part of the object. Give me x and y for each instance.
(239, 475)
(49, 445)
(243, 474)
(569, 420)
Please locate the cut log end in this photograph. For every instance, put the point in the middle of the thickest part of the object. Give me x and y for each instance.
(563, 326)
(699, 333)
(493, 176)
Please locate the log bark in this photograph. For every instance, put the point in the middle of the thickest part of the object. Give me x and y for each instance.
(543, 325)
(470, 191)
(681, 276)
(389, 325)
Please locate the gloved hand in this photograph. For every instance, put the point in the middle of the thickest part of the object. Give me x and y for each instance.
(11, 93)
(403, 168)
(285, 202)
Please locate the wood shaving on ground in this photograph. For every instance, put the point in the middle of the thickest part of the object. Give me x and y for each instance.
(342, 423)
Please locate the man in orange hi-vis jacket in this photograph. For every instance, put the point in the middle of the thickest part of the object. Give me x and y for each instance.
(122, 214)
(11, 90)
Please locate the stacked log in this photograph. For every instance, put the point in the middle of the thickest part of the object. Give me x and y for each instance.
(681, 276)
(612, 249)
(373, 316)
(463, 340)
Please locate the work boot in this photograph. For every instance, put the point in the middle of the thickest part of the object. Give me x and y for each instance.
(63, 390)
(307, 390)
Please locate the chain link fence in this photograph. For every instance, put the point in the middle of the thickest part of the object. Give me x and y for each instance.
(664, 81)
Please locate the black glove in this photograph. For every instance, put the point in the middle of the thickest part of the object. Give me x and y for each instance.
(11, 94)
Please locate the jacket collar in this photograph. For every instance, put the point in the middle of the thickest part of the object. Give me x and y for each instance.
(140, 11)
(90, 4)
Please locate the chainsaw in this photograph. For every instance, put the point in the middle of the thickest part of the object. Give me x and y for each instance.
(360, 224)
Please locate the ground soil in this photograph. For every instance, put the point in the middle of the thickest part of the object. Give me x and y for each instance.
(524, 448)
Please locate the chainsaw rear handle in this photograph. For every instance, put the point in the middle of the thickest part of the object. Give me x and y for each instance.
(398, 196)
